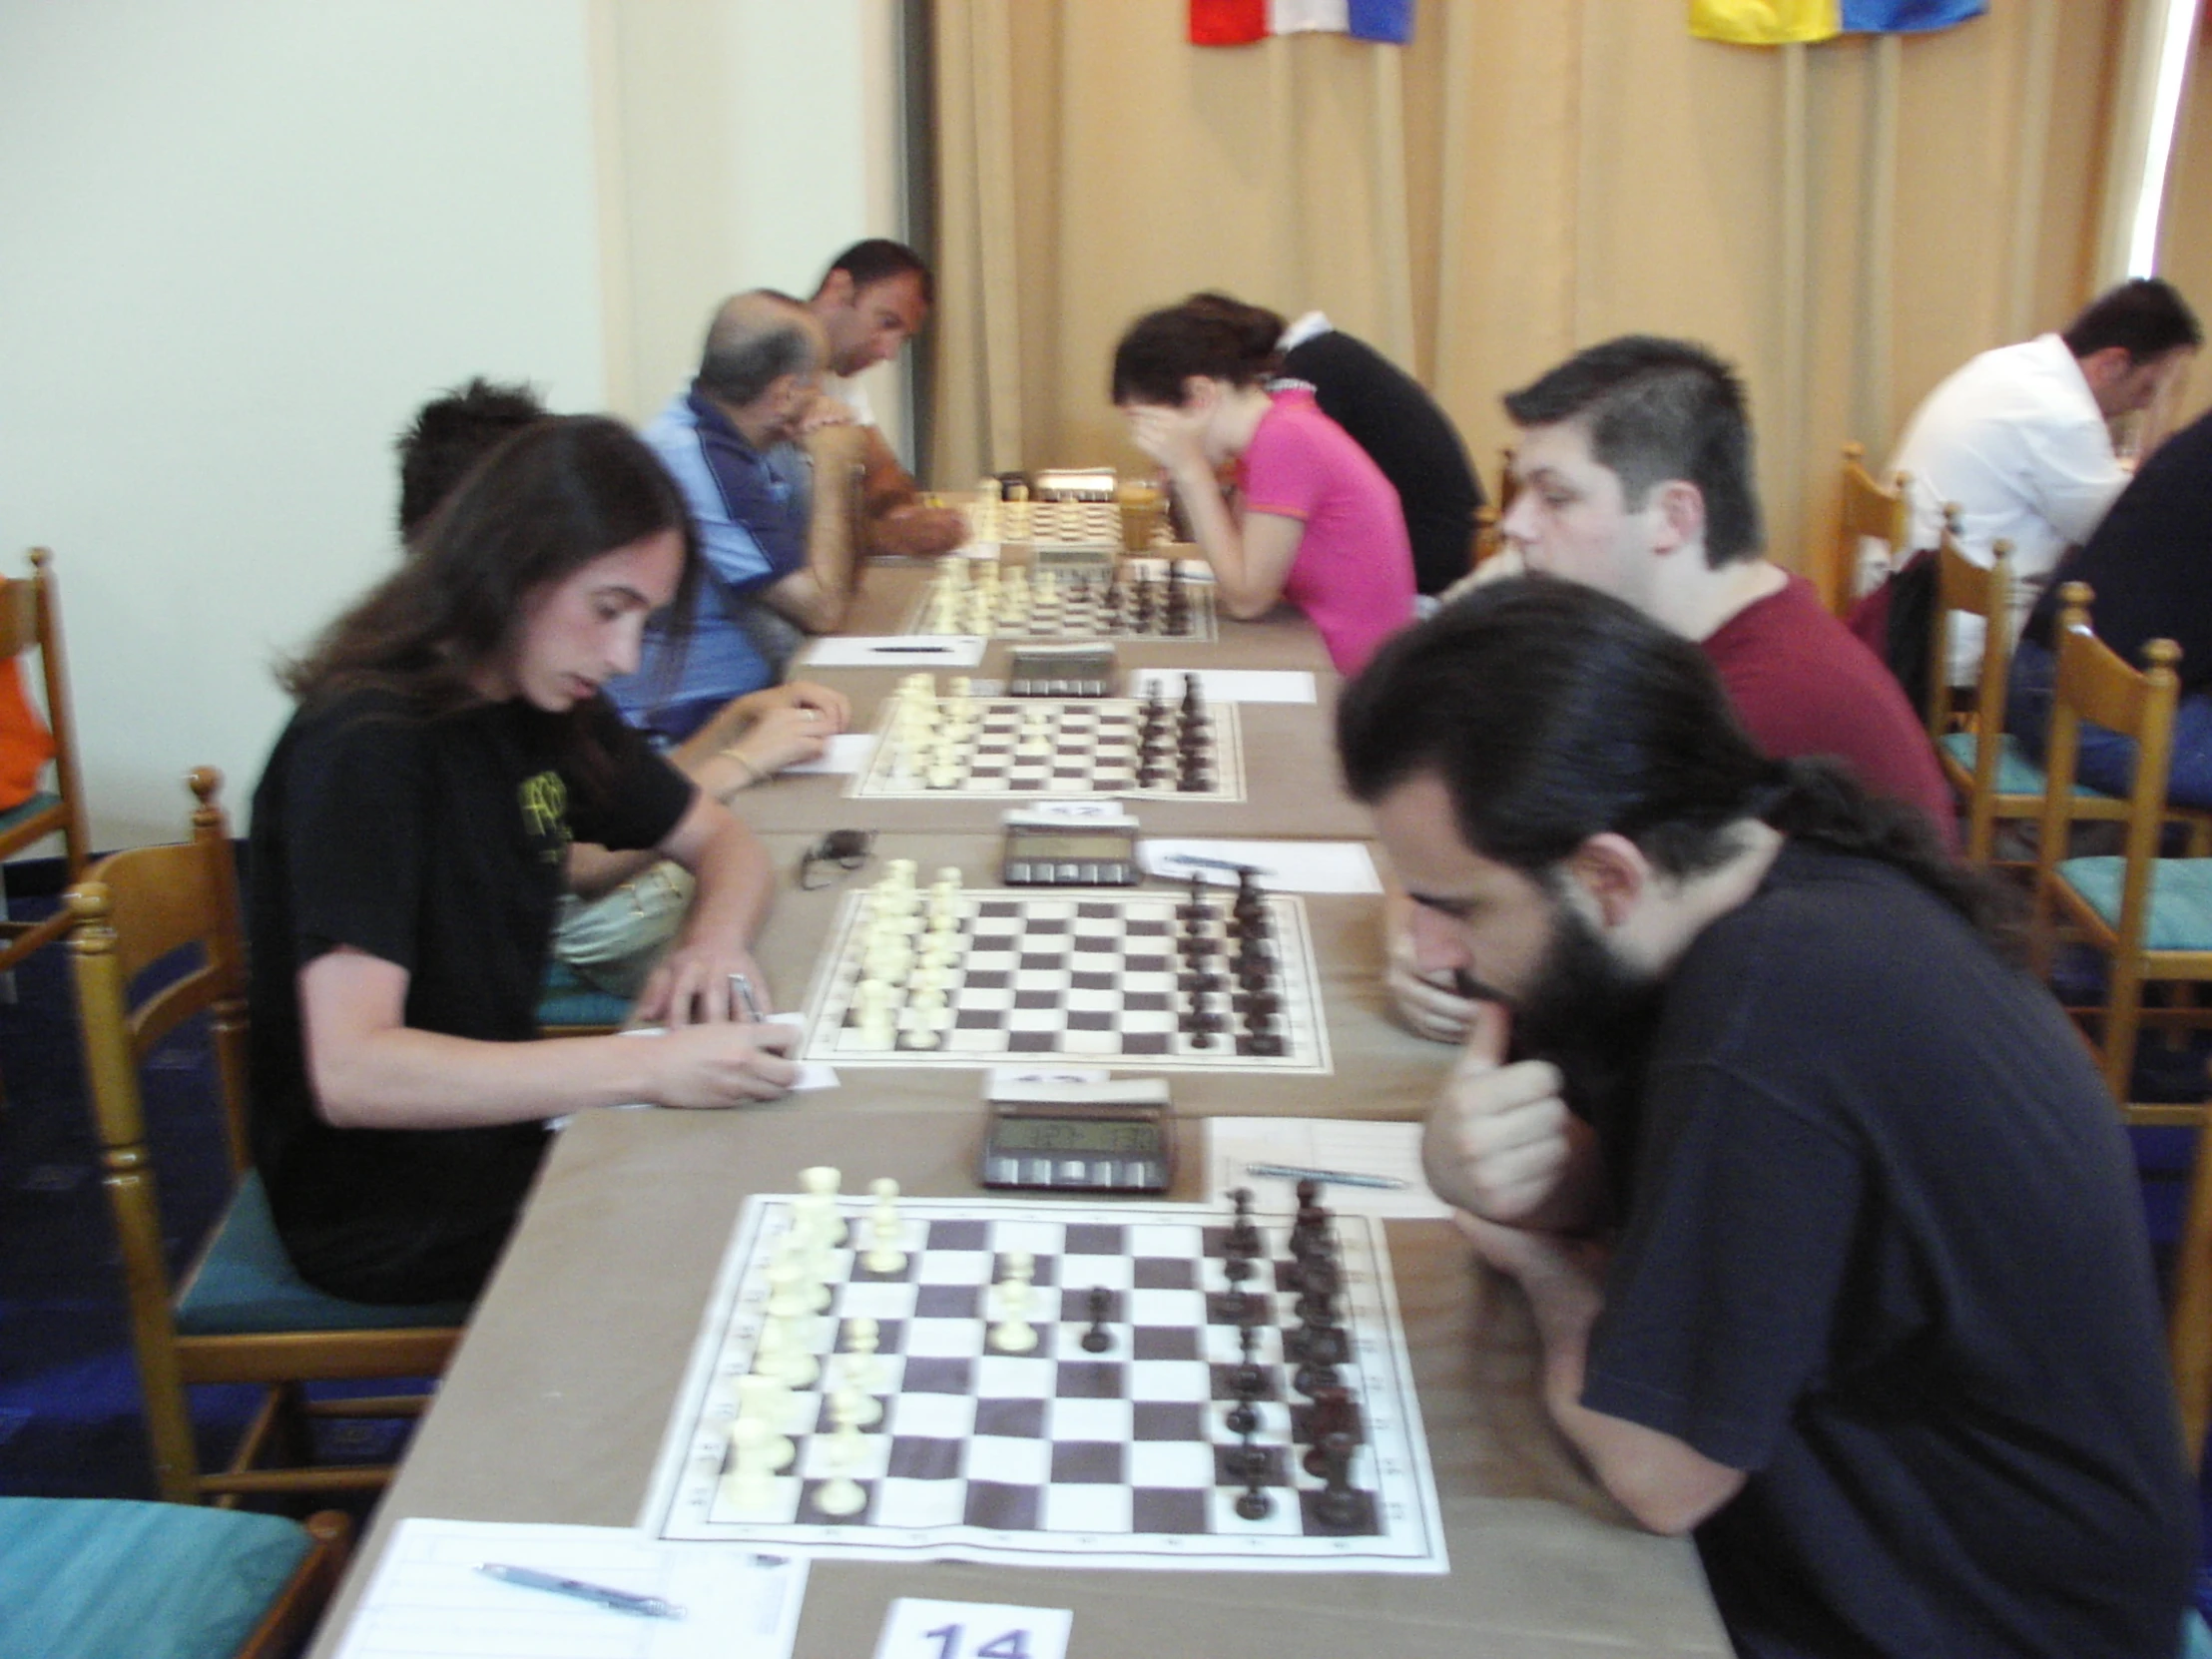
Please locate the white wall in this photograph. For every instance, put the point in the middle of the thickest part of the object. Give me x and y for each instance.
(241, 239)
(751, 140)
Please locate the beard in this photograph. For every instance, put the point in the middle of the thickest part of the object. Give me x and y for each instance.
(1592, 1015)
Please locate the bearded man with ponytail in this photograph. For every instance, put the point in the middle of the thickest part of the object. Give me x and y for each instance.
(1827, 1223)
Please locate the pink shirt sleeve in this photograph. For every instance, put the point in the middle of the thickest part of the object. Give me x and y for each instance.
(1282, 472)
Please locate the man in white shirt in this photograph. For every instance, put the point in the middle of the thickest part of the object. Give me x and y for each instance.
(2021, 438)
(875, 297)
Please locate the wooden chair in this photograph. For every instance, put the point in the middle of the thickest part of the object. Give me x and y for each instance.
(1867, 508)
(242, 1314)
(108, 1577)
(1985, 764)
(30, 616)
(2150, 918)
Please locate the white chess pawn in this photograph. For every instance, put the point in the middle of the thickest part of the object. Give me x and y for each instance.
(1013, 1333)
(873, 1026)
(886, 1229)
(840, 1494)
(782, 1352)
(867, 1410)
(752, 1484)
(765, 1400)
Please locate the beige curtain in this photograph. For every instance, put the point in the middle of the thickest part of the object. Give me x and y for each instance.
(1845, 222)
(2185, 228)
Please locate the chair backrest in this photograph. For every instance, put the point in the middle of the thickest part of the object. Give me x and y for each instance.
(1961, 586)
(131, 911)
(1866, 508)
(30, 616)
(2094, 683)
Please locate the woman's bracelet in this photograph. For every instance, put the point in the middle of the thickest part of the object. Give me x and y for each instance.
(753, 774)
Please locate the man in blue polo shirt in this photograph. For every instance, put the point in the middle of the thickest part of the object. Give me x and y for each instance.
(769, 564)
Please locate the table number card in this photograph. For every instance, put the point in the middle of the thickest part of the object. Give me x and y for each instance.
(972, 1630)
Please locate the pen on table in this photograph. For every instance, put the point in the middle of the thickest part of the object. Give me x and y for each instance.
(741, 988)
(910, 650)
(1335, 1177)
(599, 1595)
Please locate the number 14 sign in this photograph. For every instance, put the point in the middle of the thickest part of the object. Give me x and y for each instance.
(972, 1630)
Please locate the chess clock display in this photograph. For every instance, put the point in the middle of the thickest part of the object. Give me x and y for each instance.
(1059, 854)
(1060, 671)
(1081, 1138)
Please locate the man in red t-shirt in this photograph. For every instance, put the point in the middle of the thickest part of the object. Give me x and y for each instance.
(1634, 465)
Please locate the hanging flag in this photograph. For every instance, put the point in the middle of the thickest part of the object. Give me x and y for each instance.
(1906, 17)
(1228, 22)
(1765, 22)
(1240, 22)
(1782, 22)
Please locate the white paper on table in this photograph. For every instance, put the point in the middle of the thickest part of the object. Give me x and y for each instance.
(428, 1601)
(813, 1074)
(920, 652)
(1008, 1077)
(1325, 1146)
(1281, 866)
(1111, 810)
(1227, 684)
(918, 1629)
(847, 751)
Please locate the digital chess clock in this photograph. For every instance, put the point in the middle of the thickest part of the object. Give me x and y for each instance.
(1060, 671)
(1115, 1137)
(1041, 852)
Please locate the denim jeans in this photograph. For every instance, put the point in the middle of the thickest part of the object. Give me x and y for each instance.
(2106, 760)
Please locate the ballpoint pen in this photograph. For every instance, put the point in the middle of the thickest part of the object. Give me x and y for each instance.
(741, 988)
(1334, 1177)
(599, 1595)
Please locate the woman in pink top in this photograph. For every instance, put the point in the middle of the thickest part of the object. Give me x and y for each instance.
(1319, 524)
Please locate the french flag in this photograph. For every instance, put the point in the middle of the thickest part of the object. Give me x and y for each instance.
(1240, 22)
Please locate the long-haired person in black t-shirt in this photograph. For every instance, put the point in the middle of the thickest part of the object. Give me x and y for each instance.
(408, 842)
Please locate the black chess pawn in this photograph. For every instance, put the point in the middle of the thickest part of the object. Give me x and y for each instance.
(1097, 1340)
(1338, 1504)
(1246, 1462)
(1196, 910)
(1331, 1414)
(1252, 1504)
(1244, 1234)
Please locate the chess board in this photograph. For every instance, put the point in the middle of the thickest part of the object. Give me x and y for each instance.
(1059, 1456)
(1090, 748)
(1044, 975)
(1047, 524)
(1078, 608)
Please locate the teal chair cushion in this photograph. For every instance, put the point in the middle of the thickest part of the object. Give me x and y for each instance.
(2016, 773)
(247, 1284)
(28, 811)
(96, 1579)
(2180, 899)
(570, 999)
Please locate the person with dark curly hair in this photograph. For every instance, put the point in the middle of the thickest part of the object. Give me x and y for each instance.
(1829, 1230)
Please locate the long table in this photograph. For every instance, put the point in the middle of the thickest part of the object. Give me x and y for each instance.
(1292, 786)
(557, 1401)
